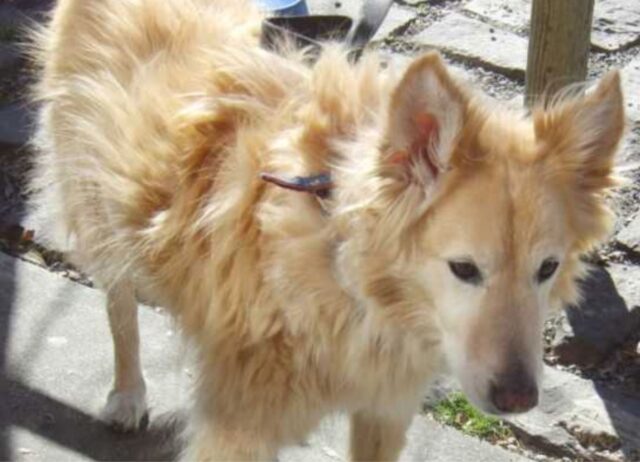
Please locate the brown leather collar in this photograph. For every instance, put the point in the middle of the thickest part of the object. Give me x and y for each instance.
(319, 185)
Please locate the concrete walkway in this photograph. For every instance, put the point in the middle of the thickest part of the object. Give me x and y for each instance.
(56, 370)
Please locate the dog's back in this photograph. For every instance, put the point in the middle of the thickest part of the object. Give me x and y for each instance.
(132, 134)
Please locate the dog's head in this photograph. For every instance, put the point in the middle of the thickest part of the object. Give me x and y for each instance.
(473, 220)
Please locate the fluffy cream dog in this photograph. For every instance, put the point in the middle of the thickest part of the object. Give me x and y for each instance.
(451, 228)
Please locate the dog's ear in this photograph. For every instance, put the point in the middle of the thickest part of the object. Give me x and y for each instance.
(426, 116)
(578, 140)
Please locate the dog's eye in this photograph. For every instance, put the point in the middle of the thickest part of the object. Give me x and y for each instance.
(466, 271)
(548, 267)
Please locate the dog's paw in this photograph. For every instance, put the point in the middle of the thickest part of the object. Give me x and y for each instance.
(126, 410)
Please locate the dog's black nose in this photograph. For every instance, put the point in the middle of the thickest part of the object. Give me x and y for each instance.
(514, 393)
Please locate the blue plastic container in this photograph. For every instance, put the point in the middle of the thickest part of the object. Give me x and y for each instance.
(285, 7)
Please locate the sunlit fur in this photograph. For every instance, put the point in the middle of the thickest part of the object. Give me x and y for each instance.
(157, 118)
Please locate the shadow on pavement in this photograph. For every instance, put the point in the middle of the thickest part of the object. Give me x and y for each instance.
(604, 318)
(13, 210)
(6, 299)
(69, 427)
(23, 407)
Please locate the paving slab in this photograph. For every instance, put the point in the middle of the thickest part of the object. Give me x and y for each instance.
(397, 17)
(629, 236)
(628, 160)
(579, 419)
(608, 316)
(495, 48)
(616, 23)
(58, 372)
(514, 13)
(427, 441)
(631, 85)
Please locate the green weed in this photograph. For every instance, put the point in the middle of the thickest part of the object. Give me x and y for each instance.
(457, 412)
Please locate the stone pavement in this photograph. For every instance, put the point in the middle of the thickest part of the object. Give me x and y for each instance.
(56, 372)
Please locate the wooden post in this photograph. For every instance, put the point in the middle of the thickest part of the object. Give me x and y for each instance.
(558, 45)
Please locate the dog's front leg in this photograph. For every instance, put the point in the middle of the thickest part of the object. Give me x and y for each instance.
(377, 438)
(126, 405)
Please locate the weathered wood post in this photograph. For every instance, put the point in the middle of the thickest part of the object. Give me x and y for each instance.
(558, 45)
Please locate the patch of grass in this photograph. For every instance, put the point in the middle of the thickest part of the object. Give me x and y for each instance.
(457, 412)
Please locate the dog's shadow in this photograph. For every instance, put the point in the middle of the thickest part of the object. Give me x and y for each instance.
(605, 318)
(81, 433)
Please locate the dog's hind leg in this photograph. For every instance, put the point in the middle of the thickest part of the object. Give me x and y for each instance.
(126, 406)
(377, 438)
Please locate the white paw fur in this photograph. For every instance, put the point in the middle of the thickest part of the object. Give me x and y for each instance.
(125, 410)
